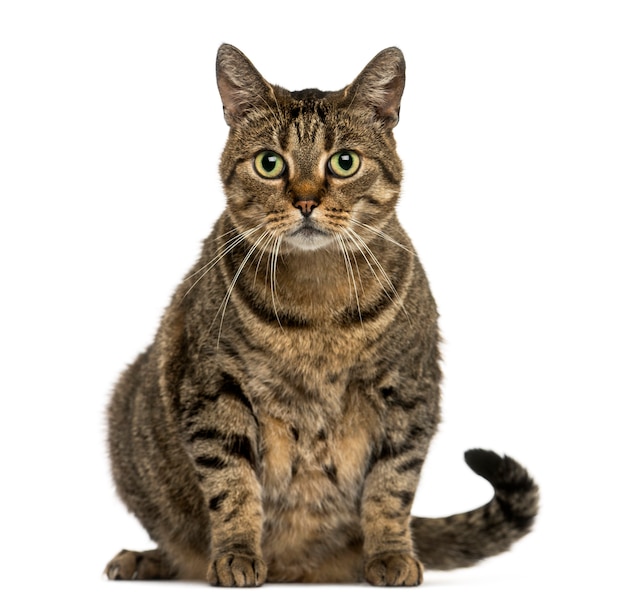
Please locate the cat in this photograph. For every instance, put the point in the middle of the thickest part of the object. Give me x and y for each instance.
(276, 428)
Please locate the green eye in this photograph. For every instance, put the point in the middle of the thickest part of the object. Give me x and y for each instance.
(269, 164)
(344, 163)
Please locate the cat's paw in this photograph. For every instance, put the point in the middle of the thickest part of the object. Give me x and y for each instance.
(129, 565)
(394, 569)
(237, 570)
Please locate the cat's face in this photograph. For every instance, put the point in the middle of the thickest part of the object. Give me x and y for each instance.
(310, 169)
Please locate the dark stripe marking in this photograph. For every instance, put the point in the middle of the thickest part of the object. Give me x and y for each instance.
(215, 503)
(353, 316)
(388, 174)
(230, 516)
(392, 398)
(241, 446)
(331, 472)
(204, 434)
(390, 450)
(405, 497)
(229, 386)
(414, 464)
(198, 406)
(211, 462)
(231, 174)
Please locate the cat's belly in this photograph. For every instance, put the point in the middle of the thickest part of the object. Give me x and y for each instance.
(311, 488)
(304, 546)
(311, 531)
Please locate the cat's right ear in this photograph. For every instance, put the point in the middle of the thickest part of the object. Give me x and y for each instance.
(241, 86)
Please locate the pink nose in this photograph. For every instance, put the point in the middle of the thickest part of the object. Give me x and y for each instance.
(306, 206)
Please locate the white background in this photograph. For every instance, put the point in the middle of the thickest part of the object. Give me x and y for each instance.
(513, 136)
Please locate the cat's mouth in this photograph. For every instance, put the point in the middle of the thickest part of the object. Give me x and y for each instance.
(308, 236)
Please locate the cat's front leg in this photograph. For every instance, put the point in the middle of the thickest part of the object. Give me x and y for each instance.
(220, 433)
(388, 547)
(389, 555)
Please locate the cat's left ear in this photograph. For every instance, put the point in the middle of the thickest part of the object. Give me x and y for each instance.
(380, 85)
(241, 86)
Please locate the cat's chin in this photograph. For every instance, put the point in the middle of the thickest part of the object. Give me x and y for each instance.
(308, 238)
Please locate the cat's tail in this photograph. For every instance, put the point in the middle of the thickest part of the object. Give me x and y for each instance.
(464, 539)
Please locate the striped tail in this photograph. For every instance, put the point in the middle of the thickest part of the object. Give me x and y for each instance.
(464, 539)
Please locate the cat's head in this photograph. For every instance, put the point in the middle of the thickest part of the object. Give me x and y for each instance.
(310, 168)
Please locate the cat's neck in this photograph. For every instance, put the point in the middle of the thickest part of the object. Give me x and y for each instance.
(335, 283)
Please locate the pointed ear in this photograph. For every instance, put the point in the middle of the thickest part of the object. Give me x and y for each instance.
(380, 85)
(241, 86)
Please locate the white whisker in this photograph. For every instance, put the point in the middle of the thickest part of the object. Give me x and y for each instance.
(363, 248)
(273, 288)
(233, 282)
(227, 233)
(350, 271)
(356, 265)
(222, 250)
(381, 234)
(261, 253)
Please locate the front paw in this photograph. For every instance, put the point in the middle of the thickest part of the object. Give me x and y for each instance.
(394, 569)
(237, 570)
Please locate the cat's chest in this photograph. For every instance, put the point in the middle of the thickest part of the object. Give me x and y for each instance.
(310, 459)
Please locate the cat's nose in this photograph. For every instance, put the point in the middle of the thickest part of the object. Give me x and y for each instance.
(306, 205)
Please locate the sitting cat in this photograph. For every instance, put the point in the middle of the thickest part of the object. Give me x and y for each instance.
(276, 427)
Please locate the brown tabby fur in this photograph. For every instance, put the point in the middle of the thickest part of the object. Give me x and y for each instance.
(276, 427)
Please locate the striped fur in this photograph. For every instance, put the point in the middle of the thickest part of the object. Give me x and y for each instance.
(276, 427)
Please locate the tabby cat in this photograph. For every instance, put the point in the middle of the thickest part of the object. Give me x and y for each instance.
(276, 428)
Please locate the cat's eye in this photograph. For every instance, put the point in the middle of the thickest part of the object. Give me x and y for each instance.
(344, 163)
(269, 164)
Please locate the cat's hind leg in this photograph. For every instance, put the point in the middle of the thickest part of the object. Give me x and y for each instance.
(128, 565)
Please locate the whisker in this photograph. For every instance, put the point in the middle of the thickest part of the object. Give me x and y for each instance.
(227, 233)
(350, 272)
(356, 265)
(381, 234)
(222, 250)
(261, 253)
(273, 288)
(363, 247)
(233, 282)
